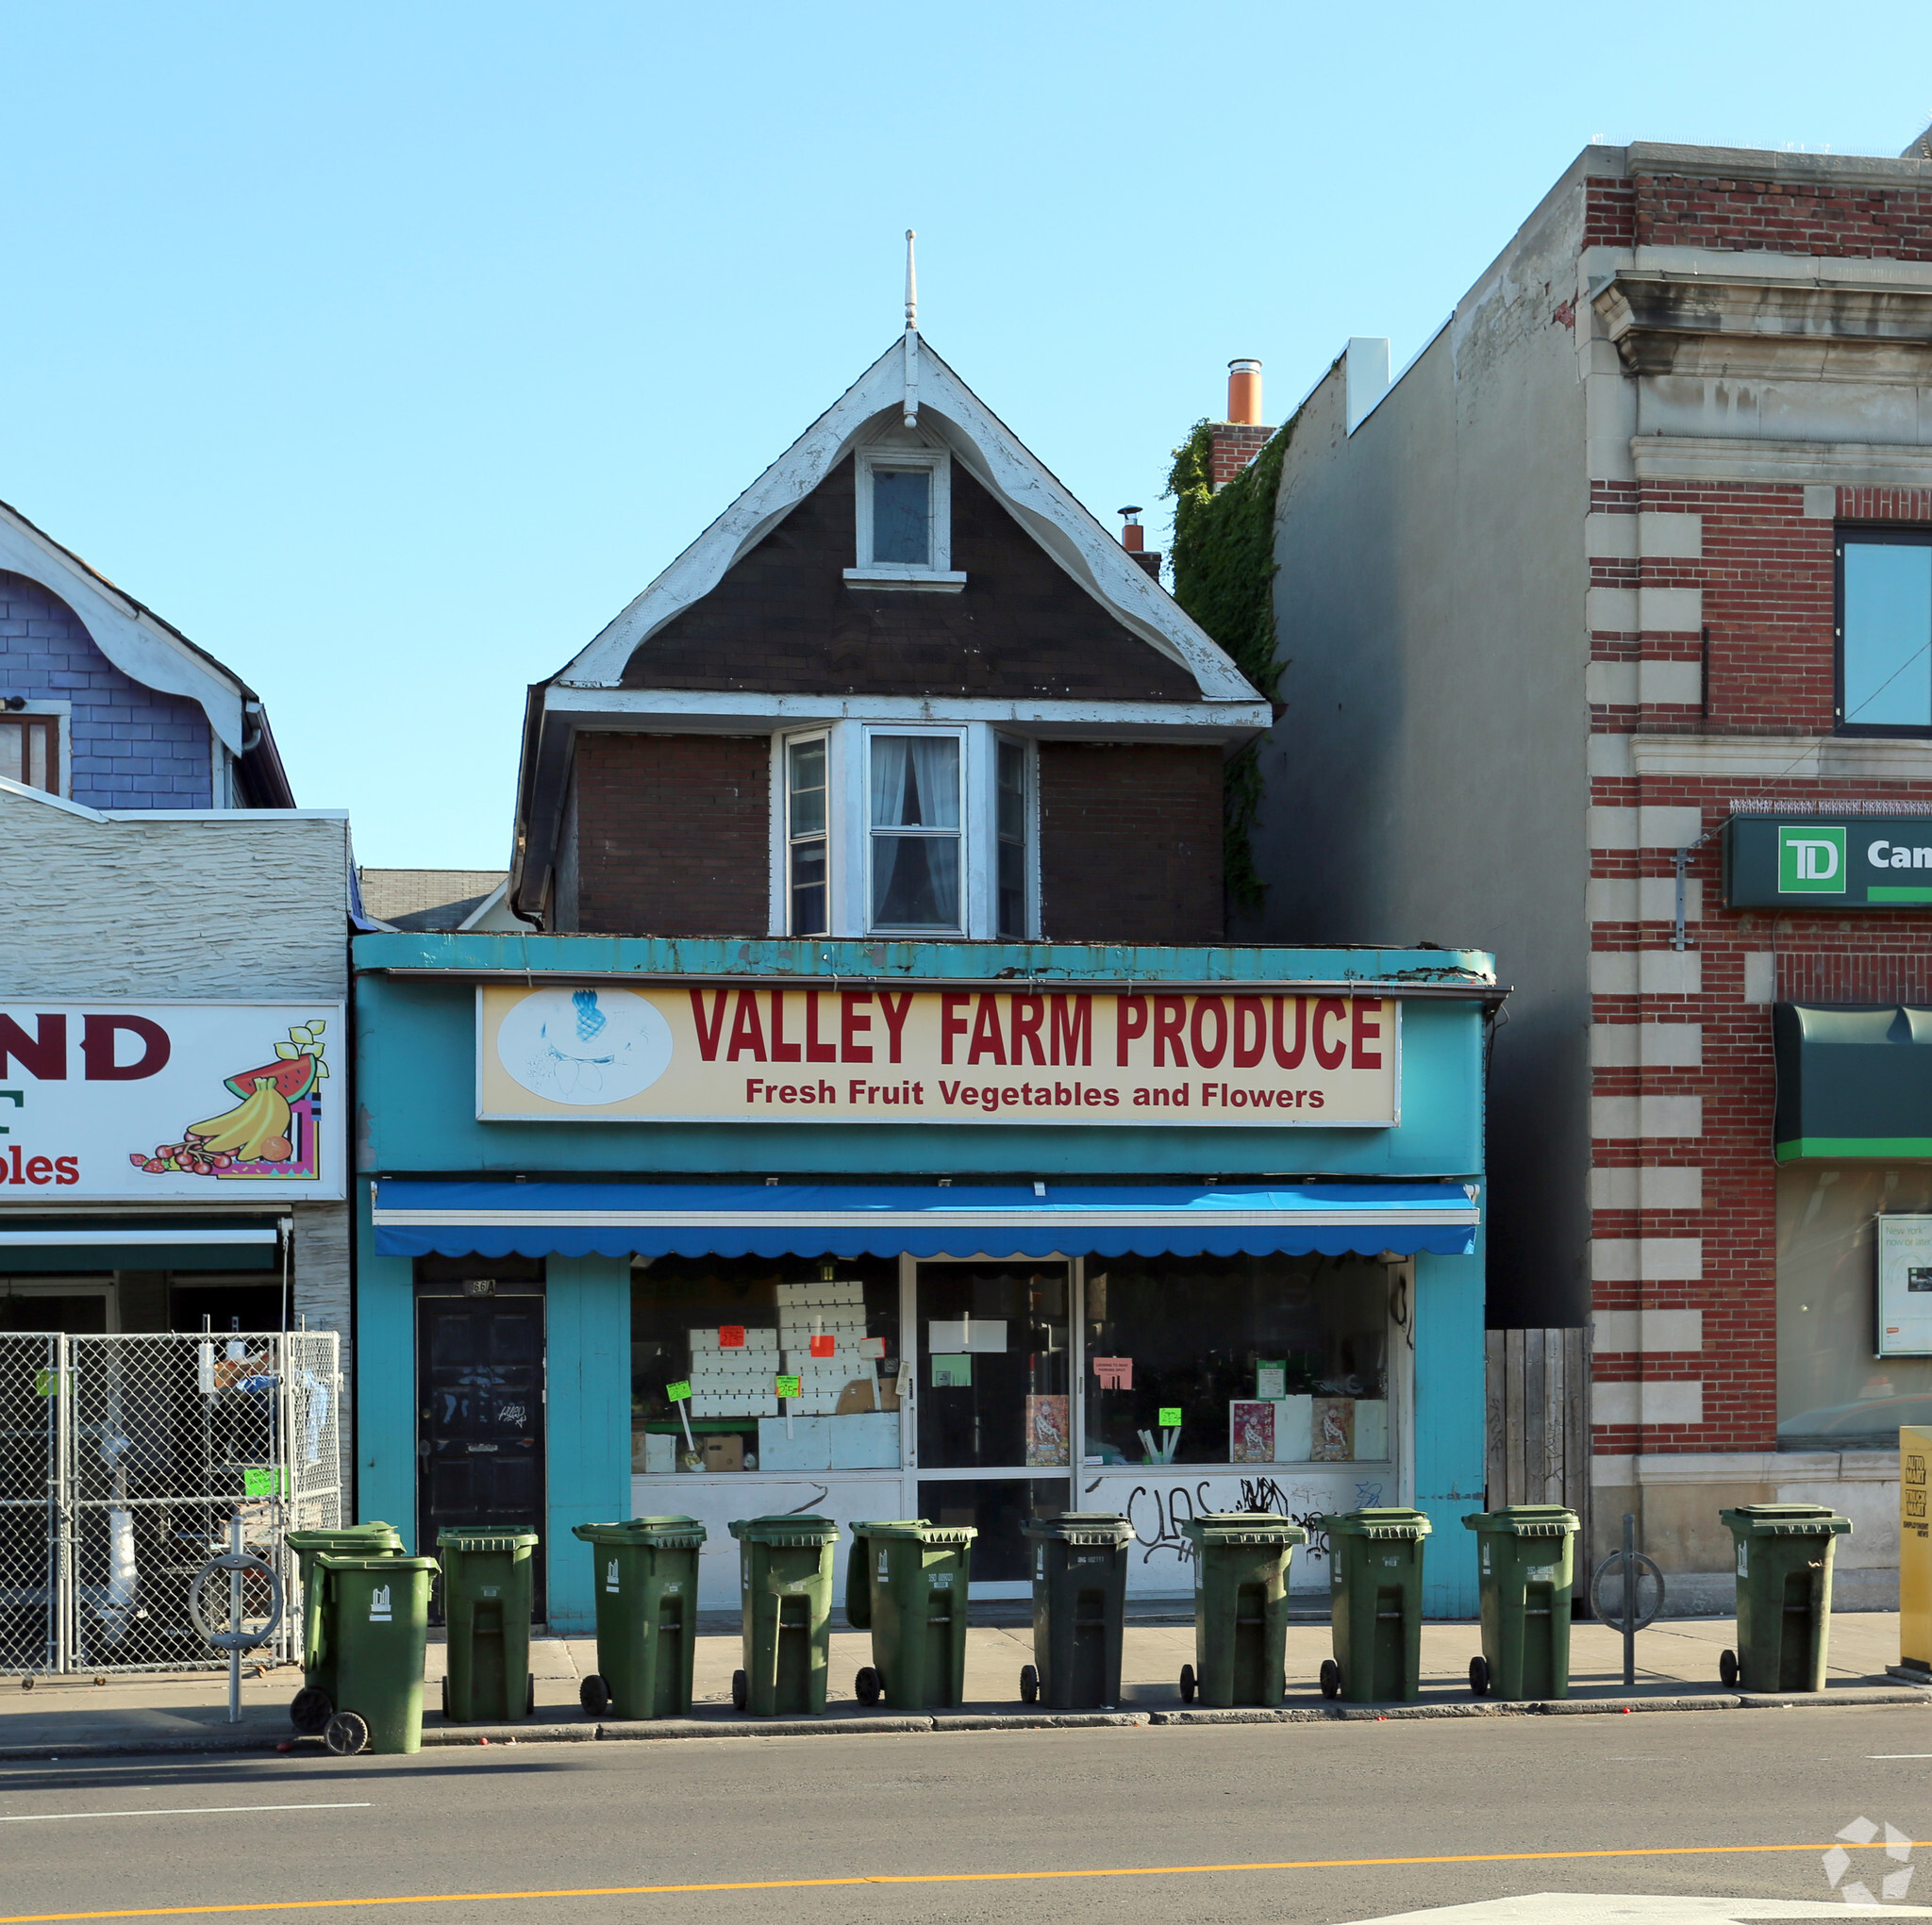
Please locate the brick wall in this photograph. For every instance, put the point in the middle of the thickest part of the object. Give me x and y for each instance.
(1746, 215)
(673, 835)
(1763, 570)
(1130, 843)
(130, 747)
(1231, 446)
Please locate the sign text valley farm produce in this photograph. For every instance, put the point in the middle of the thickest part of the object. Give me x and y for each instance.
(752, 1052)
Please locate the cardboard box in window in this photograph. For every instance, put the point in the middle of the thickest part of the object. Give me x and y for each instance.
(725, 1453)
(807, 1445)
(865, 1442)
(659, 1454)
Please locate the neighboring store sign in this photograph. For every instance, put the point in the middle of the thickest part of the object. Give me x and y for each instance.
(760, 1052)
(1828, 862)
(162, 1101)
(1905, 1286)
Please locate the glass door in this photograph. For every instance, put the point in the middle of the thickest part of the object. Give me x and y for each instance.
(994, 1408)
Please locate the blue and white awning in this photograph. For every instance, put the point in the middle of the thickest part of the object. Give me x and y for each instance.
(885, 1220)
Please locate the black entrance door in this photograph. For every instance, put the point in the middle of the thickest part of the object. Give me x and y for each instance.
(479, 1364)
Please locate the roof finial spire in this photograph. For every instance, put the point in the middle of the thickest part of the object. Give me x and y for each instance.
(911, 408)
(911, 287)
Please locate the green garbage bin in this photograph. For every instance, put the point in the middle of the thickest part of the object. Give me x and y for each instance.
(487, 1602)
(1241, 1606)
(1374, 1604)
(906, 1583)
(1784, 1595)
(315, 1703)
(1080, 1610)
(1525, 1565)
(646, 1581)
(375, 1631)
(784, 1579)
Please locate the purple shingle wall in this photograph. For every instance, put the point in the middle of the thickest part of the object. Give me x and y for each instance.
(133, 748)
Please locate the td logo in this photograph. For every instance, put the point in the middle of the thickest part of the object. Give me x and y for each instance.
(1810, 860)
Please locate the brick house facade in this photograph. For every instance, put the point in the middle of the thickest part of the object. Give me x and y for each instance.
(1560, 604)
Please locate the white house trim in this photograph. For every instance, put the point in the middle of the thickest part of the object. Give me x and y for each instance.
(134, 640)
(950, 412)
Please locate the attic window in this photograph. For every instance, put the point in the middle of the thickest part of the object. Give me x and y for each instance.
(903, 513)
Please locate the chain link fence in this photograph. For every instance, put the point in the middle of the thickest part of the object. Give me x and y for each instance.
(122, 1461)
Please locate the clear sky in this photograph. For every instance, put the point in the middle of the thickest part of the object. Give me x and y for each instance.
(389, 351)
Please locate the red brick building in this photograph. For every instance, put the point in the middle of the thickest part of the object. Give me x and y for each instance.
(1619, 590)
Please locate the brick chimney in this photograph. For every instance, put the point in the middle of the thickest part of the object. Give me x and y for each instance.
(1236, 441)
(1134, 540)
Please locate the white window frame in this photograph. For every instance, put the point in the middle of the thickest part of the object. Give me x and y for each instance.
(782, 746)
(940, 574)
(972, 792)
(848, 829)
(63, 713)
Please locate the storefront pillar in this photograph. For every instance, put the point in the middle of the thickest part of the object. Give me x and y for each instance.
(589, 1418)
(1449, 1423)
(385, 1386)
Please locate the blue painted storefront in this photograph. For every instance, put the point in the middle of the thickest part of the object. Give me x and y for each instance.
(416, 1100)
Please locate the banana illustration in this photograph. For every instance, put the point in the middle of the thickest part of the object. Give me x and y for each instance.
(259, 1120)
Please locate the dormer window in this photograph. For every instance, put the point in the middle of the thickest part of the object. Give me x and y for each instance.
(903, 519)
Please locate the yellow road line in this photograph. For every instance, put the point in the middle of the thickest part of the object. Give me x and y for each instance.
(793, 1885)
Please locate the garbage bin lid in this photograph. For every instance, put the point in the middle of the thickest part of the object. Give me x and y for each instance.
(1786, 1521)
(916, 1530)
(344, 1538)
(660, 1534)
(1390, 1520)
(802, 1529)
(483, 1538)
(1080, 1527)
(331, 1560)
(1242, 1527)
(1525, 1521)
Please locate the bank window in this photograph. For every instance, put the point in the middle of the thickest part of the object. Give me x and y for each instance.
(1885, 631)
(914, 829)
(1014, 811)
(30, 751)
(806, 832)
(715, 1341)
(1238, 1360)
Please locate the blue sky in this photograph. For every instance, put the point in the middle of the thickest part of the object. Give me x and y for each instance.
(389, 350)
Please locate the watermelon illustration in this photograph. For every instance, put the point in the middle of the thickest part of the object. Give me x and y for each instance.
(259, 1129)
(291, 1077)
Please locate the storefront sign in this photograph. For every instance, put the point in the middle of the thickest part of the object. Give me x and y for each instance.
(749, 1053)
(1905, 1286)
(1828, 862)
(162, 1103)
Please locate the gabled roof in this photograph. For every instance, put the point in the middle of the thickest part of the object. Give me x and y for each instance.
(980, 441)
(151, 651)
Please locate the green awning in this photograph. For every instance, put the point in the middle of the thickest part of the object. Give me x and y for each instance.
(1854, 1081)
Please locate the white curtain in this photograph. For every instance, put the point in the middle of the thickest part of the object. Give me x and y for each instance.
(915, 782)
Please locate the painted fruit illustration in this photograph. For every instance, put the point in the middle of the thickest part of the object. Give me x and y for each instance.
(260, 1128)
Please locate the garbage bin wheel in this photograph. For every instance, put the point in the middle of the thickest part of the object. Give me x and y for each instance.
(741, 1690)
(1479, 1676)
(311, 1710)
(1188, 1684)
(1030, 1684)
(869, 1687)
(345, 1735)
(1331, 1678)
(593, 1694)
(27, 1684)
(530, 1694)
(1727, 1667)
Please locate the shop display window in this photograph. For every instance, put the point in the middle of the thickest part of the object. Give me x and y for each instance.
(1236, 1360)
(996, 1373)
(733, 1332)
(1835, 1392)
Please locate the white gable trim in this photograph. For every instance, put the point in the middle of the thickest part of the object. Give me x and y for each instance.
(989, 449)
(131, 639)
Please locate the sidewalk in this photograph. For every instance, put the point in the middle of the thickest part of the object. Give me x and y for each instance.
(1677, 1661)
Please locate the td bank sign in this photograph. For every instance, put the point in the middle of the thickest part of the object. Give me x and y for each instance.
(1846, 862)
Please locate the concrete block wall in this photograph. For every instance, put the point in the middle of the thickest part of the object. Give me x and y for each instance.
(130, 747)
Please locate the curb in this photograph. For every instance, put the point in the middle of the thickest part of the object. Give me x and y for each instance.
(936, 1723)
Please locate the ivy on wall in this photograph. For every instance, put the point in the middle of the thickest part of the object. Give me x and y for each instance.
(1223, 576)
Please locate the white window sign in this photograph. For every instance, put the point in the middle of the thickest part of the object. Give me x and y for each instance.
(1905, 1286)
(212, 1103)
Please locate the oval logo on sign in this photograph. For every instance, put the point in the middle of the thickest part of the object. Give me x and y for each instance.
(584, 1046)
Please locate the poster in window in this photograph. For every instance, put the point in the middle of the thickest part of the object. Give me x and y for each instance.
(1250, 1432)
(1047, 1432)
(1333, 1425)
(1905, 1286)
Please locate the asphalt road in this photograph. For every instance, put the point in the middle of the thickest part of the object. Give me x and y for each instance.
(513, 1820)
